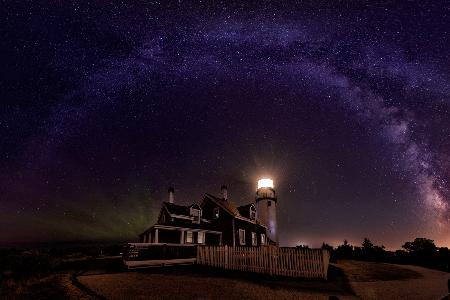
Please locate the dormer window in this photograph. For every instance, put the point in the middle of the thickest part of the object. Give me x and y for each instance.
(216, 213)
(252, 213)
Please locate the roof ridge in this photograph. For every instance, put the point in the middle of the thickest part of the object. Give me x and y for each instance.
(222, 199)
(167, 202)
(222, 202)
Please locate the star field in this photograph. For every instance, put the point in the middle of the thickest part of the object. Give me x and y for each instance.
(346, 106)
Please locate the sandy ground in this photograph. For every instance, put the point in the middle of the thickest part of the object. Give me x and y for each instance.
(364, 281)
(163, 286)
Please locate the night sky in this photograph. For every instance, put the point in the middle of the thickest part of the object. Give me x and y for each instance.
(346, 106)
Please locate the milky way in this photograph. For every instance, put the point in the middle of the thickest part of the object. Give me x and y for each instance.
(346, 107)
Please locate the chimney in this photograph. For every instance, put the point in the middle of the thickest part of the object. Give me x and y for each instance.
(171, 194)
(224, 191)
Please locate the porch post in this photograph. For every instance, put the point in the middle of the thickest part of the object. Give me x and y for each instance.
(182, 237)
(234, 233)
(156, 236)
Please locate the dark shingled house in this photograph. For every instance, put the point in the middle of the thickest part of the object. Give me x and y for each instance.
(215, 221)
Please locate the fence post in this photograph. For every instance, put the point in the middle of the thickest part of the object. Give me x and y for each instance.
(226, 256)
(325, 260)
(270, 256)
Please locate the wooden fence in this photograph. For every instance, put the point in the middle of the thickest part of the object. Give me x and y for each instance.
(294, 262)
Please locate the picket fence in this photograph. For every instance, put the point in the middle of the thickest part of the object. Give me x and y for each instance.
(293, 262)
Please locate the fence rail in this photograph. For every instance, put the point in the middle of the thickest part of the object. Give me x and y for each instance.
(293, 262)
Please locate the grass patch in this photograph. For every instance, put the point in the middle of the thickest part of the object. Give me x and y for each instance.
(361, 271)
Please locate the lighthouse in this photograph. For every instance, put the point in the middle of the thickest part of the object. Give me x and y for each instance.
(266, 207)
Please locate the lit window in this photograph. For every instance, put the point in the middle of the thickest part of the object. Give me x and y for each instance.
(189, 237)
(196, 213)
(216, 213)
(242, 236)
(263, 239)
(254, 239)
(201, 237)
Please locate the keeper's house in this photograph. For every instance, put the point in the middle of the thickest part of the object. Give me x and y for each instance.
(217, 221)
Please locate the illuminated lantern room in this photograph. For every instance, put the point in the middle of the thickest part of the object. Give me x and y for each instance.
(265, 183)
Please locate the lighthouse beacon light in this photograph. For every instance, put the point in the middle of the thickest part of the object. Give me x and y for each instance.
(265, 183)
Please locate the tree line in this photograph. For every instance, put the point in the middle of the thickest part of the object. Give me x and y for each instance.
(421, 252)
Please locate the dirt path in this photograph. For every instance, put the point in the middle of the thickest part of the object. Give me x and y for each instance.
(387, 281)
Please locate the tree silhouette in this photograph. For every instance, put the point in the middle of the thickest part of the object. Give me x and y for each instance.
(344, 251)
(327, 247)
(420, 247)
(367, 245)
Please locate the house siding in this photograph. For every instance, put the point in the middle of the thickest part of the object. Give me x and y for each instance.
(223, 224)
(249, 228)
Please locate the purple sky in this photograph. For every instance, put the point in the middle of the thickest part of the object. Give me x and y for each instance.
(345, 106)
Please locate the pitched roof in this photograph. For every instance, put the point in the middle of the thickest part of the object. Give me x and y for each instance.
(241, 212)
(229, 206)
(176, 209)
(232, 209)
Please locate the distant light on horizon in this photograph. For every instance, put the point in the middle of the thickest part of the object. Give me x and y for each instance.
(265, 182)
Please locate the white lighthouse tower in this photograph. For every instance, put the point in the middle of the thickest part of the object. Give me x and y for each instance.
(266, 207)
